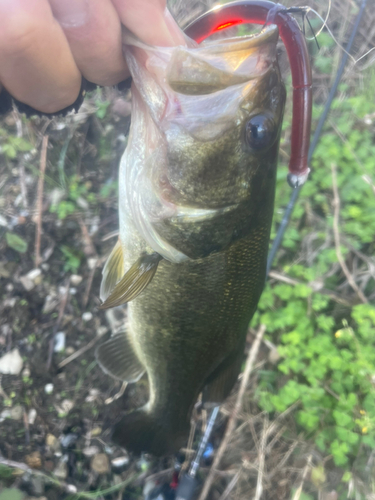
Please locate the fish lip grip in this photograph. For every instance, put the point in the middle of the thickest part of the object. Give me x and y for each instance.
(265, 12)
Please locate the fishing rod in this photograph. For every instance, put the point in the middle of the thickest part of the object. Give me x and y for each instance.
(188, 482)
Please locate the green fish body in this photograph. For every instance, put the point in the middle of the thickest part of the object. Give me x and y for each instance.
(197, 185)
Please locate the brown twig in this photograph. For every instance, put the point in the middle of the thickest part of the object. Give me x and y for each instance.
(283, 461)
(231, 485)
(234, 415)
(336, 233)
(86, 295)
(261, 459)
(291, 281)
(190, 450)
(78, 353)
(304, 475)
(23, 186)
(89, 248)
(39, 203)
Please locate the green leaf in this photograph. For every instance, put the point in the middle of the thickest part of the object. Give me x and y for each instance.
(16, 242)
(11, 494)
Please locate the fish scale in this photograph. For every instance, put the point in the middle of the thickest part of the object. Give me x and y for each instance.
(196, 209)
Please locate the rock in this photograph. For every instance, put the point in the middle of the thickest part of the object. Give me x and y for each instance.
(34, 460)
(67, 405)
(3, 221)
(102, 330)
(71, 489)
(50, 303)
(4, 414)
(11, 302)
(11, 363)
(94, 395)
(51, 441)
(48, 388)
(48, 465)
(100, 463)
(75, 279)
(82, 203)
(16, 413)
(274, 356)
(27, 283)
(92, 262)
(69, 440)
(90, 451)
(31, 416)
(59, 342)
(87, 316)
(119, 464)
(37, 485)
(56, 195)
(61, 471)
(33, 274)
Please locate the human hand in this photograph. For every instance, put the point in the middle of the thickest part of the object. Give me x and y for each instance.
(46, 46)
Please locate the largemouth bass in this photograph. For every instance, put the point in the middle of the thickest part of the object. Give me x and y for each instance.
(196, 194)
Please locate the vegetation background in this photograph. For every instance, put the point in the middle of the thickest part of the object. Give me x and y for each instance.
(307, 425)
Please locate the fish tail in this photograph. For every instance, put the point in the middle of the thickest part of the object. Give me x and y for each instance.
(142, 431)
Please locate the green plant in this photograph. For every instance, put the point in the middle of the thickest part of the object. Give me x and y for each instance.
(72, 259)
(16, 242)
(327, 364)
(11, 145)
(331, 370)
(75, 192)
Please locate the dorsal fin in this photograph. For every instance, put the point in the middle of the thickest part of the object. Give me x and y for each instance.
(134, 281)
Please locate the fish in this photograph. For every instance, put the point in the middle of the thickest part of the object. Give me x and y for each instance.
(196, 196)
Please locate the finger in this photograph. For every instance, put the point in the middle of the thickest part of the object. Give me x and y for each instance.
(36, 64)
(93, 30)
(150, 21)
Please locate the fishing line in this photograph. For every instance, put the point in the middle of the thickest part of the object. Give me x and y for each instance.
(294, 196)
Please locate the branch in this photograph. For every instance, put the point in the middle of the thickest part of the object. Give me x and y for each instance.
(234, 415)
(39, 201)
(336, 233)
(323, 291)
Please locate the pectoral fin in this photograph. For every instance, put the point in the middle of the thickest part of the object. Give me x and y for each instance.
(134, 281)
(113, 271)
(117, 358)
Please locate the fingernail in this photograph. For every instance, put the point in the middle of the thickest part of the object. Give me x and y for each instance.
(70, 13)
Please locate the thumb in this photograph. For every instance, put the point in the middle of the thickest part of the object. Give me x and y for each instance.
(150, 21)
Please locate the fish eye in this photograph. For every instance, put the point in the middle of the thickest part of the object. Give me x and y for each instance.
(260, 131)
